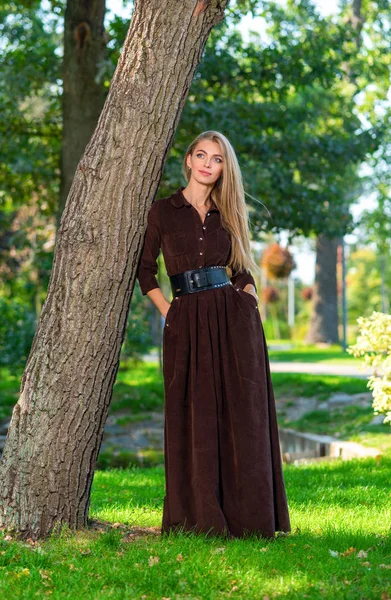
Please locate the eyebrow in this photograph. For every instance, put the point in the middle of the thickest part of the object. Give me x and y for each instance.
(201, 150)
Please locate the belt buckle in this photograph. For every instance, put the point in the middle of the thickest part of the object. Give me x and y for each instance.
(198, 279)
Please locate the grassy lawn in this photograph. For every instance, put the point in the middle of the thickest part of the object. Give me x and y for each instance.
(321, 386)
(140, 389)
(339, 547)
(333, 355)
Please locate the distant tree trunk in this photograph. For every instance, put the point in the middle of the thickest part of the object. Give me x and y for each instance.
(57, 425)
(324, 318)
(83, 94)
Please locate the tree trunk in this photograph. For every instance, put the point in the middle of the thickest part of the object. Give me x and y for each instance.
(83, 94)
(57, 425)
(324, 318)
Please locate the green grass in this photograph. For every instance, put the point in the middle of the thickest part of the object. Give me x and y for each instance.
(348, 423)
(329, 355)
(337, 510)
(321, 386)
(138, 389)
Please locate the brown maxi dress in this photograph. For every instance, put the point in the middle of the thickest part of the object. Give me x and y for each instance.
(222, 457)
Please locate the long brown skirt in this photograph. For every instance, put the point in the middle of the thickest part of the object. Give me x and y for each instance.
(223, 466)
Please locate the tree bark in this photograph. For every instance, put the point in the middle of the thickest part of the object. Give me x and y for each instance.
(57, 424)
(324, 317)
(83, 93)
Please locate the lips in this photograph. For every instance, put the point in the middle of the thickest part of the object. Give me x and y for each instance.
(204, 172)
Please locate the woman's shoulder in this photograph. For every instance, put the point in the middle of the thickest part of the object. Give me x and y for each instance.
(160, 203)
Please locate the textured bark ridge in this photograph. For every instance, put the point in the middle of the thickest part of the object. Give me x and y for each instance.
(57, 425)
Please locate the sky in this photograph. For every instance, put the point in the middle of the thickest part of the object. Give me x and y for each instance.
(303, 253)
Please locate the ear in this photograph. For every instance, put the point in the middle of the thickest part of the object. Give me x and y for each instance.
(188, 164)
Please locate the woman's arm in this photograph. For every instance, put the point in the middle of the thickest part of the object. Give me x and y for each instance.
(148, 266)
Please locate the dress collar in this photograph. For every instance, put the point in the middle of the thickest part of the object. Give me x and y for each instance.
(178, 200)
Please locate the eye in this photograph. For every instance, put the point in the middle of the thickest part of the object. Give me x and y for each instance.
(199, 154)
(218, 159)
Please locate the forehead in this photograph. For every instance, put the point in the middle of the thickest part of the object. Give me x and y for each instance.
(209, 146)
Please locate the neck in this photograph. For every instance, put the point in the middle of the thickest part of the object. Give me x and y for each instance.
(198, 195)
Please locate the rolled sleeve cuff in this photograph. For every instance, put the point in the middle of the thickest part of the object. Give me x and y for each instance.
(242, 278)
(149, 282)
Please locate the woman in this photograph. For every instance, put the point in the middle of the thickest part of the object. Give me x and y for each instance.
(222, 457)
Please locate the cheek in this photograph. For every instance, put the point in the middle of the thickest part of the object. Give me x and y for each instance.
(218, 169)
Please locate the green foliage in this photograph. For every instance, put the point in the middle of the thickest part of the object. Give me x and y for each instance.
(364, 283)
(269, 327)
(138, 336)
(17, 327)
(300, 124)
(374, 346)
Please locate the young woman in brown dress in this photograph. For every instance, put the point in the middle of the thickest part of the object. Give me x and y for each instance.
(223, 467)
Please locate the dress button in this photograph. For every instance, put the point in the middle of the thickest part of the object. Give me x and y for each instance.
(204, 227)
(201, 239)
(200, 267)
(200, 252)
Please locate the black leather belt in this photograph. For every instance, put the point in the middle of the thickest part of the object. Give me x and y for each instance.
(197, 280)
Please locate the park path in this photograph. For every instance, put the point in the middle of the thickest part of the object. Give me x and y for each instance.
(320, 369)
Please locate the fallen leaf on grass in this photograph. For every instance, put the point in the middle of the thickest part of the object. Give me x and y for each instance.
(217, 550)
(44, 573)
(179, 557)
(362, 554)
(349, 551)
(264, 549)
(385, 566)
(153, 560)
(334, 553)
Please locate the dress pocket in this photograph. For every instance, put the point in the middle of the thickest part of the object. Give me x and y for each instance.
(248, 305)
(170, 312)
(175, 244)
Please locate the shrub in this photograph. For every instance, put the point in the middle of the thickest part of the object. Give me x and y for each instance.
(374, 346)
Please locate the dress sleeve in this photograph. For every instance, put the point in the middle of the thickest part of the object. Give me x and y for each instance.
(148, 266)
(242, 278)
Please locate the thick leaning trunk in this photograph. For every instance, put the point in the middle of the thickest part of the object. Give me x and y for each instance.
(83, 94)
(324, 317)
(57, 425)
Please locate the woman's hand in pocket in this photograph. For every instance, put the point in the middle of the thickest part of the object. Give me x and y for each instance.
(249, 288)
(167, 309)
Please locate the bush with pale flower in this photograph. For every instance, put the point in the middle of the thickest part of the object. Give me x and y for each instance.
(374, 347)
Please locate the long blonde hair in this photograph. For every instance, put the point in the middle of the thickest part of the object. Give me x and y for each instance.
(229, 196)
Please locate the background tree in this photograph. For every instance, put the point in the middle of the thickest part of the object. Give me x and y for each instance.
(83, 85)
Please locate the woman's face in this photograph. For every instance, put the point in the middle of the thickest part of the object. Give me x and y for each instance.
(206, 162)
